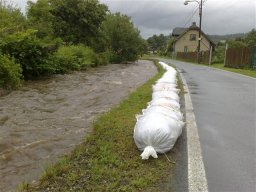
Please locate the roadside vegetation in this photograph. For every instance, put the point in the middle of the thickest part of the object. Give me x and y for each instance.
(248, 41)
(108, 159)
(162, 46)
(247, 72)
(59, 36)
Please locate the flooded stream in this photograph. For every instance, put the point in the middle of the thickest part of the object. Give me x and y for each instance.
(46, 119)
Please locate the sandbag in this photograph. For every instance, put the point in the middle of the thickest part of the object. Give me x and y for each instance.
(166, 94)
(157, 132)
(161, 87)
(164, 102)
(171, 112)
(160, 124)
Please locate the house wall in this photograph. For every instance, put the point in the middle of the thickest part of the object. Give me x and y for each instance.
(191, 45)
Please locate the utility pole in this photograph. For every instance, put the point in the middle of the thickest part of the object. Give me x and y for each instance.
(200, 33)
(200, 3)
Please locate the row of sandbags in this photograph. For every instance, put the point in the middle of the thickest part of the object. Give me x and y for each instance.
(161, 123)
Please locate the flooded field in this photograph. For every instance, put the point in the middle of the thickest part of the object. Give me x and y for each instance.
(46, 119)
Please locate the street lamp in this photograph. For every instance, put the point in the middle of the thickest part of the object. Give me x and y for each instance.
(200, 3)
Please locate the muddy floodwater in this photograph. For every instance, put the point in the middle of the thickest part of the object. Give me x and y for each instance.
(46, 119)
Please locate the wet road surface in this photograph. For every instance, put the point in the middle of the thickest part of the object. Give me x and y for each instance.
(46, 119)
(225, 110)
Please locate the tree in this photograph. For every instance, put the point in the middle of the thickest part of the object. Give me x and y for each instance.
(250, 39)
(123, 39)
(158, 43)
(236, 44)
(170, 43)
(40, 17)
(11, 20)
(77, 21)
(152, 43)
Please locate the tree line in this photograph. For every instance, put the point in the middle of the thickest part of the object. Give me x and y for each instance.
(249, 40)
(58, 36)
(163, 44)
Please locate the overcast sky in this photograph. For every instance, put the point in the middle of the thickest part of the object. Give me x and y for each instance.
(161, 16)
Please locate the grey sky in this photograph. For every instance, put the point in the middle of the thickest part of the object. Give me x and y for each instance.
(161, 16)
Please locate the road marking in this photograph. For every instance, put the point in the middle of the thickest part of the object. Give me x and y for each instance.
(197, 181)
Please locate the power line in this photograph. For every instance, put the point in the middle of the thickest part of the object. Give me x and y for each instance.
(192, 15)
(205, 1)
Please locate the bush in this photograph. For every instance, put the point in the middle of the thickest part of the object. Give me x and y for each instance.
(10, 73)
(101, 58)
(69, 58)
(219, 54)
(122, 38)
(30, 52)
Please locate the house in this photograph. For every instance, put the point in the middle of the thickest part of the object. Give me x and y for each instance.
(186, 39)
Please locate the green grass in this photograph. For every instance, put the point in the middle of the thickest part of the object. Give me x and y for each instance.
(247, 72)
(109, 160)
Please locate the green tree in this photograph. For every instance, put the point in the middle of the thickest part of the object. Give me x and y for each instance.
(40, 17)
(158, 43)
(170, 43)
(11, 20)
(77, 21)
(123, 39)
(219, 53)
(152, 43)
(250, 39)
(236, 44)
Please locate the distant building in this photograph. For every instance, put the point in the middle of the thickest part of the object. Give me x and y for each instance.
(186, 39)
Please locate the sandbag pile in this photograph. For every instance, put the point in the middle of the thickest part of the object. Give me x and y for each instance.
(161, 123)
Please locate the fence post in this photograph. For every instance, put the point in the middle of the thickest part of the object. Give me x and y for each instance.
(242, 59)
(253, 57)
(225, 54)
(210, 56)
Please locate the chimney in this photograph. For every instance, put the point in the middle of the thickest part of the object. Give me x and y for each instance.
(193, 24)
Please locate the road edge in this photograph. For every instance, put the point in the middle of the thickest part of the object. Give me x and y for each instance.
(242, 75)
(197, 181)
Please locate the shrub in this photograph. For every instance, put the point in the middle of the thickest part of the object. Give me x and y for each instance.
(10, 72)
(219, 54)
(68, 58)
(101, 58)
(30, 52)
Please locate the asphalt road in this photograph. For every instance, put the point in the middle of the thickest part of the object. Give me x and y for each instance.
(225, 110)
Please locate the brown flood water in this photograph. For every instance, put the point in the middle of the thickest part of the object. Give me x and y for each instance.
(46, 119)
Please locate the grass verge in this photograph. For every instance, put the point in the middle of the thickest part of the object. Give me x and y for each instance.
(247, 72)
(108, 160)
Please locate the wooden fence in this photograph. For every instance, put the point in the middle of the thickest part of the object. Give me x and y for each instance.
(192, 56)
(238, 57)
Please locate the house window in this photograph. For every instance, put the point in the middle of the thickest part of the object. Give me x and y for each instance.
(192, 37)
(185, 49)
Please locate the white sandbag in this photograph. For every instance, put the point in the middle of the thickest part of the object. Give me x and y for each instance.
(171, 112)
(169, 74)
(166, 94)
(157, 88)
(164, 102)
(158, 128)
(173, 81)
(156, 133)
(167, 67)
(173, 85)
